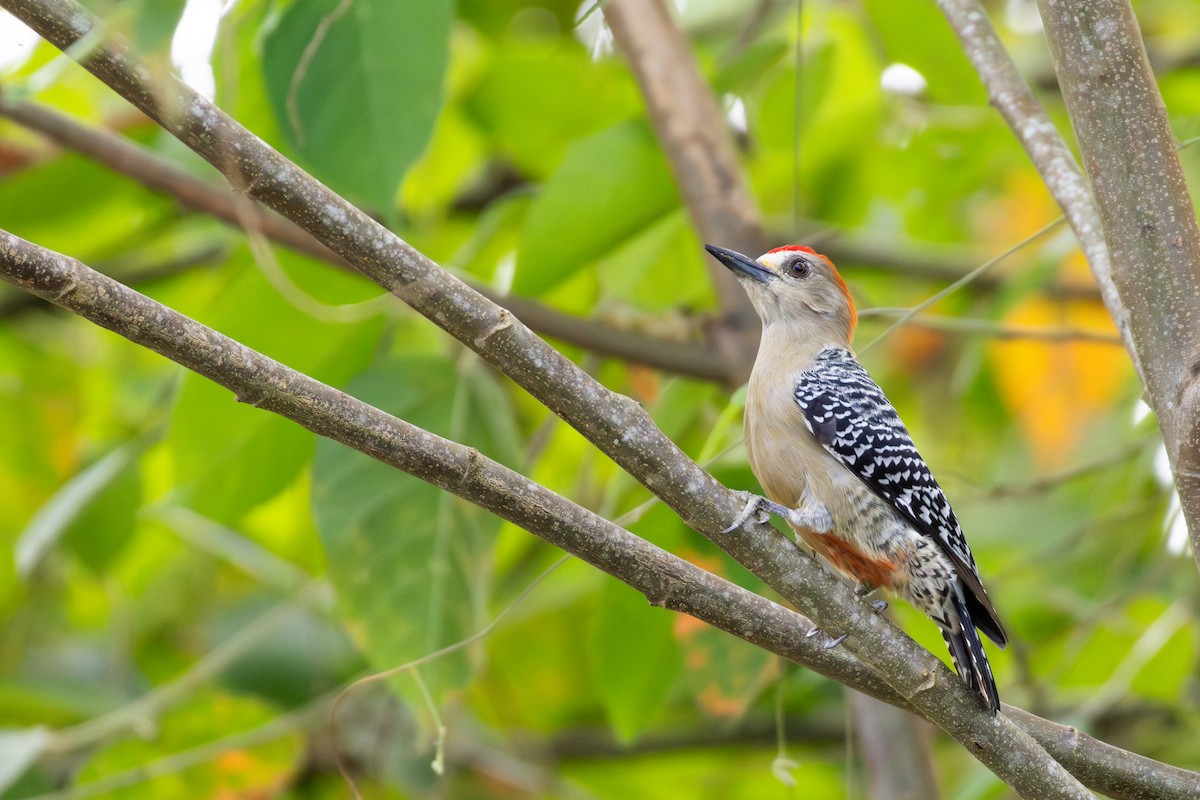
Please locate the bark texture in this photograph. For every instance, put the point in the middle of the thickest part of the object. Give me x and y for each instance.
(1149, 222)
(665, 579)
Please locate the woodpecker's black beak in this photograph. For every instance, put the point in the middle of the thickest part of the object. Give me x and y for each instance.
(740, 264)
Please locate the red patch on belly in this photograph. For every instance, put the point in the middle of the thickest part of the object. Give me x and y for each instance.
(853, 561)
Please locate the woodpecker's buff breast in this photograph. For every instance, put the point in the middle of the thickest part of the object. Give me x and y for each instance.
(820, 432)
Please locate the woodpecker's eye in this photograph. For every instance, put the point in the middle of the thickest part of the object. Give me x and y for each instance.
(797, 267)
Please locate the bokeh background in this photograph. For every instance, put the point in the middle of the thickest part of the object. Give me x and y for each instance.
(186, 582)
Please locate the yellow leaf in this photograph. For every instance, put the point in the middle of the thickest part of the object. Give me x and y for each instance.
(1056, 389)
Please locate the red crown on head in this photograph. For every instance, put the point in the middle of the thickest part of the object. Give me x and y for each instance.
(803, 248)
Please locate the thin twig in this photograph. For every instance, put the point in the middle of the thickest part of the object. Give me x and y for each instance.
(416, 663)
(151, 705)
(665, 579)
(1047, 149)
(1056, 479)
(1153, 639)
(299, 720)
(618, 427)
(987, 327)
(965, 280)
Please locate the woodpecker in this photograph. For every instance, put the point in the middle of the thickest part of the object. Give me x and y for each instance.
(836, 461)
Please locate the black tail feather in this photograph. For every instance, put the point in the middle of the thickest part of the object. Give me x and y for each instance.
(966, 651)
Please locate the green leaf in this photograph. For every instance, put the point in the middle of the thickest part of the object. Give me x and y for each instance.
(301, 654)
(610, 187)
(634, 658)
(1172, 664)
(538, 96)
(18, 750)
(660, 268)
(106, 525)
(839, 91)
(356, 87)
(230, 457)
(58, 514)
(238, 69)
(105, 214)
(156, 21)
(411, 562)
(744, 69)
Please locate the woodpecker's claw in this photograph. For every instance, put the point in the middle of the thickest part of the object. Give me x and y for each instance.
(814, 517)
(754, 506)
(829, 643)
(879, 605)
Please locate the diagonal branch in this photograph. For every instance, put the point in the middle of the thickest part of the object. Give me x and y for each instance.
(1047, 149)
(667, 580)
(1149, 221)
(619, 427)
(690, 358)
(693, 135)
(121, 155)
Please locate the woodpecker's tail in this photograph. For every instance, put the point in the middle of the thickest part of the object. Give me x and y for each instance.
(966, 651)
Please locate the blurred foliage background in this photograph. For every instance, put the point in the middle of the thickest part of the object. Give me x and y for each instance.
(186, 583)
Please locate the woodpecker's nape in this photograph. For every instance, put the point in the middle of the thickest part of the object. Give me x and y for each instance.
(827, 445)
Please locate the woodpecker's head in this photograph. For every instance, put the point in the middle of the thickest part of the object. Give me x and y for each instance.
(793, 285)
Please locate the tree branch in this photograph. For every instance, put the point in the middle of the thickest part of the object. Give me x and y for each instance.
(665, 579)
(616, 425)
(931, 264)
(1124, 775)
(690, 358)
(13, 303)
(1129, 152)
(692, 132)
(693, 359)
(896, 748)
(1013, 98)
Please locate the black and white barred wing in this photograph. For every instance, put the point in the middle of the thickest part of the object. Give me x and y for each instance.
(853, 419)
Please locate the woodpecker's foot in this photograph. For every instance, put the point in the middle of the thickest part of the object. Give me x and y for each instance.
(754, 508)
(829, 643)
(879, 605)
(814, 517)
